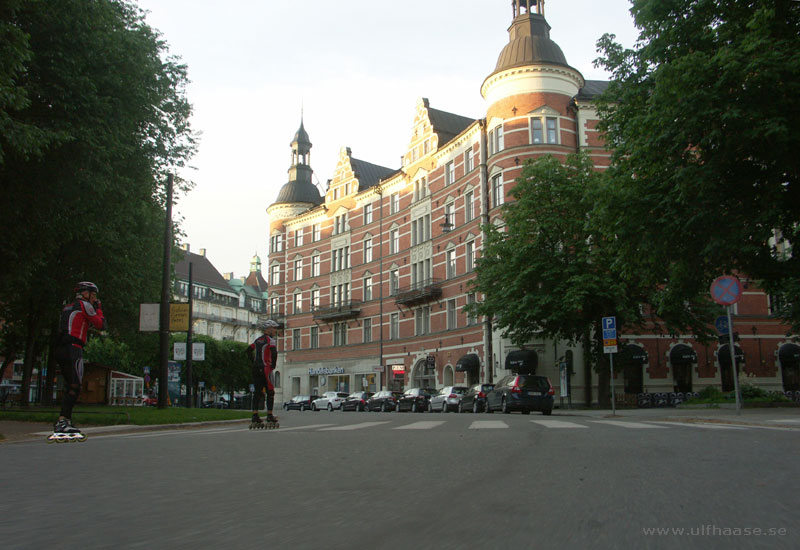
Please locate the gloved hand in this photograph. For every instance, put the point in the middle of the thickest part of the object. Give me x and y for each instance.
(97, 304)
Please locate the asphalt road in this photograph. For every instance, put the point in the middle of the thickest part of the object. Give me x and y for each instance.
(402, 480)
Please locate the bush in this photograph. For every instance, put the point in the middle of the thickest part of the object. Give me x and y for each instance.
(750, 391)
(711, 392)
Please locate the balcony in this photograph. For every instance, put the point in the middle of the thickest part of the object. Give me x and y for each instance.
(344, 310)
(419, 293)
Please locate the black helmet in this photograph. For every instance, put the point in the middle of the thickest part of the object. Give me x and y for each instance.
(85, 285)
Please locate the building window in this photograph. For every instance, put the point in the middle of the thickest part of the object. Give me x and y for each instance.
(499, 140)
(538, 127)
(552, 133)
(450, 214)
(420, 189)
(367, 289)
(340, 294)
(420, 229)
(315, 263)
(276, 243)
(468, 161)
(451, 263)
(367, 331)
(394, 241)
(537, 134)
(469, 207)
(314, 341)
(316, 234)
(452, 319)
(394, 282)
(470, 256)
(497, 190)
(298, 270)
(423, 320)
(275, 274)
(420, 272)
(315, 299)
(471, 318)
(394, 326)
(298, 237)
(340, 334)
(367, 213)
(298, 302)
(449, 173)
(367, 250)
(340, 258)
(275, 307)
(296, 339)
(394, 203)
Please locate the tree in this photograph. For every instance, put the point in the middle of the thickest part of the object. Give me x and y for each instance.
(103, 116)
(544, 271)
(701, 118)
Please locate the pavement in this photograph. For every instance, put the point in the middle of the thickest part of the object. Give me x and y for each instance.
(766, 417)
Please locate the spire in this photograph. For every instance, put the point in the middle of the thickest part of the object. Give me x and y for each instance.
(529, 38)
(300, 188)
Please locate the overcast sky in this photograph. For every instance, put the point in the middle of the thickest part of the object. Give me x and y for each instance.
(355, 67)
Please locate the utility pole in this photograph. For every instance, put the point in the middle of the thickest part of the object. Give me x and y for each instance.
(163, 326)
(189, 351)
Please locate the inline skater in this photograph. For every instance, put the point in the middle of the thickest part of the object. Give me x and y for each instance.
(263, 353)
(84, 312)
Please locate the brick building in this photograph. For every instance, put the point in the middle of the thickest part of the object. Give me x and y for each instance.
(372, 277)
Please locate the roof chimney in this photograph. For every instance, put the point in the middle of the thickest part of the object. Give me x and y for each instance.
(203, 252)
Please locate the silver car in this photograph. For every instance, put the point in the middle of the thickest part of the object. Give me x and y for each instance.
(447, 399)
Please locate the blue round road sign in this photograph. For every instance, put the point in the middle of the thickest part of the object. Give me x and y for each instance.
(726, 290)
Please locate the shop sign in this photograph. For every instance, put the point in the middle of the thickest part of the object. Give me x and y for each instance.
(398, 368)
(326, 370)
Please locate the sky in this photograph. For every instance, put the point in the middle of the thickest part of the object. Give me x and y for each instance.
(354, 69)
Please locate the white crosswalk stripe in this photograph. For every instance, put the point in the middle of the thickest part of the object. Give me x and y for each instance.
(488, 425)
(708, 426)
(625, 424)
(353, 427)
(558, 424)
(786, 421)
(425, 425)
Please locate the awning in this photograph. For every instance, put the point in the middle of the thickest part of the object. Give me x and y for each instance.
(522, 361)
(634, 354)
(682, 354)
(468, 363)
(724, 355)
(789, 354)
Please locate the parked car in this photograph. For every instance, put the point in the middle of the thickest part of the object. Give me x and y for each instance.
(521, 392)
(357, 401)
(299, 402)
(447, 399)
(330, 400)
(475, 398)
(384, 401)
(149, 401)
(221, 404)
(415, 400)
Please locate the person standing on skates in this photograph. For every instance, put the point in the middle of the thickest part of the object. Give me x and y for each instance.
(76, 319)
(263, 352)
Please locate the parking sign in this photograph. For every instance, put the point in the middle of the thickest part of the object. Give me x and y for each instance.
(609, 334)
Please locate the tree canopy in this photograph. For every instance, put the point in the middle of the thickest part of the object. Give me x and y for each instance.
(94, 114)
(701, 118)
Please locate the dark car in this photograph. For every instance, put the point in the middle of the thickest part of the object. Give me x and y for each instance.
(357, 401)
(299, 402)
(475, 398)
(521, 392)
(415, 400)
(384, 401)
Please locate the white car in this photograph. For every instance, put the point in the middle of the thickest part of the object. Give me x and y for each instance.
(447, 399)
(330, 400)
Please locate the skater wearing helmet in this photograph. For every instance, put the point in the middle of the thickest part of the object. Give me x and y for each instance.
(264, 355)
(76, 319)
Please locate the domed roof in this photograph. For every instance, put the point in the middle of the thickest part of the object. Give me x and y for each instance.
(530, 44)
(299, 192)
(301, 137)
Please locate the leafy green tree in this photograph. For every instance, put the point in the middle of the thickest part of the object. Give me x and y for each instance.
(98, 115)
(544, 272)
(701, 118)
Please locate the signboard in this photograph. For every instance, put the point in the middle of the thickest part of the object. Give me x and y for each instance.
(721, 324)
(198, 351)
(174, 381)
(179, 351)
(398, 368)
(609, 334)
(179, 317)
(325, 370)
(148, 317)
(726, 290)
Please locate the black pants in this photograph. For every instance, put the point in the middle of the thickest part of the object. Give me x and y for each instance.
(263, 384)
(70, 360)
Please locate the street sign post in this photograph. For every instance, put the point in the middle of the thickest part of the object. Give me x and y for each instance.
(610, 347)
(726, 291)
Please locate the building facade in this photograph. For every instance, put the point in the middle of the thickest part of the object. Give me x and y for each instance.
(372, 276)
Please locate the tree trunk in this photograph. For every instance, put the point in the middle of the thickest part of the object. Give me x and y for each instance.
(587, 369)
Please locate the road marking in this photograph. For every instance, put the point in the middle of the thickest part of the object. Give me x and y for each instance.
(309, 427)
(424, 425)
(488, 425)
(558, 424)
(709, 426)
(624, 424)
(353, 427)
(785, 421)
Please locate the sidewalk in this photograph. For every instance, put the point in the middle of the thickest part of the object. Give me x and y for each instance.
(776, 417)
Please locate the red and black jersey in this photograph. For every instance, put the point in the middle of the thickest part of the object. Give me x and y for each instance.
(266, 352)
(75, 320)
